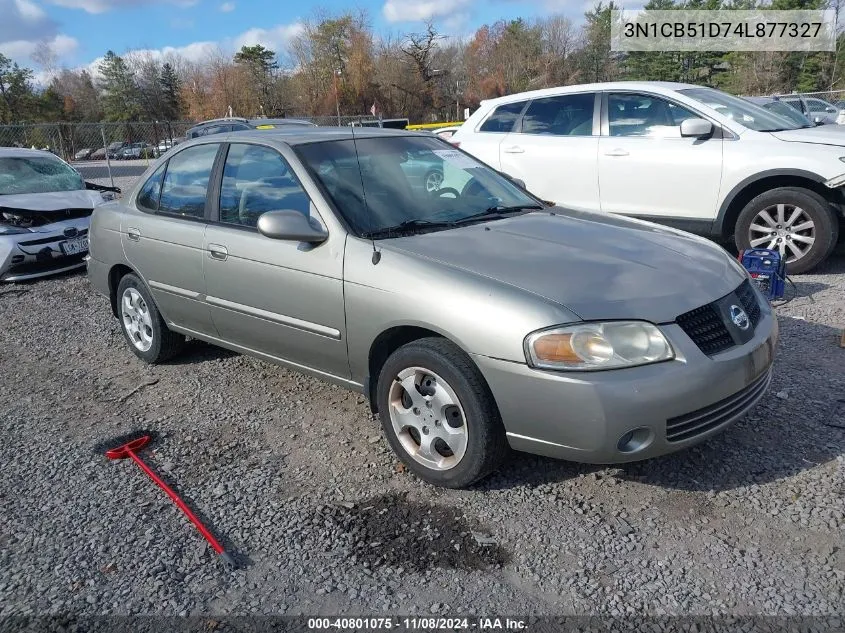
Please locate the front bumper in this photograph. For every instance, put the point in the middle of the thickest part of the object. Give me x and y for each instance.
(41, 252)
(583, 416)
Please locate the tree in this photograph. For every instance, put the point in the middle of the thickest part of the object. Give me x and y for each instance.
(170, 88)
(16, 94)
(120, 93)
(597, 62)
(260, 63)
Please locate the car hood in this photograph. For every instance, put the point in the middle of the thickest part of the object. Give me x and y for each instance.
(598, 266)
(53, 200)
(821, 135)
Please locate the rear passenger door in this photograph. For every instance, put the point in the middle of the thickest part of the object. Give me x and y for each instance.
(279, 297)
(484, 143)
(164, 239)
(554, 150)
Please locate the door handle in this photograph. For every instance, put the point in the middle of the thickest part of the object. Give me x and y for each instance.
(133, 234)
(617, 152)
(216, 251)
(513, 149)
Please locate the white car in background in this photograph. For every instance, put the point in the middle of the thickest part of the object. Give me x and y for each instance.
(45, 210)
(682, 155)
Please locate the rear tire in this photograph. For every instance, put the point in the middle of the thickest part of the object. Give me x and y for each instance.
(449, 411)
(142, 324)
(770, 219)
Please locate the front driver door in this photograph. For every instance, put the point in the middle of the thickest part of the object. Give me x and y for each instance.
(646, 168)
(277, 297)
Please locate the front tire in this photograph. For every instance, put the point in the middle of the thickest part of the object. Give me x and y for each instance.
(798, 223)
(438, 414)
(142, 324)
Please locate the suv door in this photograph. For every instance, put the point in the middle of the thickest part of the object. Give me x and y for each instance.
(281, 298)
(647, 169)
(484, 142)
(163, 240)
(554, 150)
(820, 108)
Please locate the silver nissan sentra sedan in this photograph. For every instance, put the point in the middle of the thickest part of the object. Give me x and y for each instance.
(474, 317)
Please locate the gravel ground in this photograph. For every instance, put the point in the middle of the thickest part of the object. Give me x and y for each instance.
(296, 479)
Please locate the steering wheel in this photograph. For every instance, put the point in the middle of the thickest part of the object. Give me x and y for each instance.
(439, 192)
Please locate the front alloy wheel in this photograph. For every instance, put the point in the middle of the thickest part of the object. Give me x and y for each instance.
(433, 181)
(427, 418)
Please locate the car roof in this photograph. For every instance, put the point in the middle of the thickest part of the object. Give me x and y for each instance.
(23, 152)
(659, 86)
(282, 121)
(296, 135)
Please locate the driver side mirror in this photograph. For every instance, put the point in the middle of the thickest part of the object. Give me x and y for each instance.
(292, 226)
(817, 120)
(696, 128)
(517, 181)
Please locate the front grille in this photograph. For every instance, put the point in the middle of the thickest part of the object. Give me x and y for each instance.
(749, 302)
(705, 327)
(687, 426)
(708, 329)
(30, 219)
(54, 238)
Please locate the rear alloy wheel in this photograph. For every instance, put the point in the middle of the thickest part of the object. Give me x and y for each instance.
(438, 414)
(142, 323)
(797, 223)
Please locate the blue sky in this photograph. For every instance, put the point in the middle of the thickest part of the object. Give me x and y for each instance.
(81, 31)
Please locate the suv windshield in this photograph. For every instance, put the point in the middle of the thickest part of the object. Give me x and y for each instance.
(410, 183)
(784, 110)
(743, 112)
(37, 174)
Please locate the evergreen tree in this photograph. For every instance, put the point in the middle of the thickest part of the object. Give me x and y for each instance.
(260, 62)
(120, 92)
(169, 82)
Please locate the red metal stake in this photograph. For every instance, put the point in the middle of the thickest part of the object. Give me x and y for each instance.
(129, 450)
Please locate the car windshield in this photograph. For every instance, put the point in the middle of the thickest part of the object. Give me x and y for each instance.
(410, 183)
(743, 112)
(784, 110)
(37, 174)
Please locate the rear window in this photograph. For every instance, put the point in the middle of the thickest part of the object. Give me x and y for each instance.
(503, 118)
(37, 174)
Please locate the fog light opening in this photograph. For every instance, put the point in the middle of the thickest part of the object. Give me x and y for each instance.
(635, 440)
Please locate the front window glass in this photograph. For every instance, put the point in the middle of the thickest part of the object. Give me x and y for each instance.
(410, 182)
(186, 181)
(37, 174)
(257, 179)
(743, 112)
(645, 115)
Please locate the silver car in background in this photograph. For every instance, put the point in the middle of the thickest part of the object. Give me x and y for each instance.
(474, 317)
(45, 208)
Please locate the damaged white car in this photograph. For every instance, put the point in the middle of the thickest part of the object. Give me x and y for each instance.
(45, 209)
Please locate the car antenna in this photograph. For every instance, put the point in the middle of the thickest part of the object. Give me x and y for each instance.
(376, 253)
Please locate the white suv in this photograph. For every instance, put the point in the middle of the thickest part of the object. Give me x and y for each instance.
(682, 155)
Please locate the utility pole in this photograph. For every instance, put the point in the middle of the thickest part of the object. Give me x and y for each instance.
(337, 96)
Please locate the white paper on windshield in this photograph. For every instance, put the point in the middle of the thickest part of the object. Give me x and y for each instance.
(456, 158)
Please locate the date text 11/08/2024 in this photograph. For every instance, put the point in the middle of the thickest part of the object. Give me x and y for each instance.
(418, 624)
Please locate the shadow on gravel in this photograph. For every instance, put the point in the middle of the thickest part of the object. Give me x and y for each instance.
(200, 352)
(390, 530)
(795, 427)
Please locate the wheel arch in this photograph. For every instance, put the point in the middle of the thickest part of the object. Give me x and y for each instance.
(388, 342)
(116, 273)
(751, 187)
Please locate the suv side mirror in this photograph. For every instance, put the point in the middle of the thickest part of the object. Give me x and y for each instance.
(291, 225)
(517, 181)
(817, 120)
(696, 128)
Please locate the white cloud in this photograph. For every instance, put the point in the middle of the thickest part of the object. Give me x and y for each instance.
(20, 50)
(24, 20)
(418, 11)
(276, 38)
(227, 7)
(102, 6)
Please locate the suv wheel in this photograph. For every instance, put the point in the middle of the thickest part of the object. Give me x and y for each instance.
(439, 415)
(142, 324)
(798, 223)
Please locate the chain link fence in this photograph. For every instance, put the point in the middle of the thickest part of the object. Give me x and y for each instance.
(119, 141)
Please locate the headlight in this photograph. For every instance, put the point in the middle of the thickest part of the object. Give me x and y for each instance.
(591, 346)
